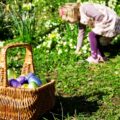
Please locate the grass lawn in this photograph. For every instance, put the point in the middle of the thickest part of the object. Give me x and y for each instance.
(87, 91)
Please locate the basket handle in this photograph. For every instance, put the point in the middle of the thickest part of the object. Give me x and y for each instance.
(27, 66)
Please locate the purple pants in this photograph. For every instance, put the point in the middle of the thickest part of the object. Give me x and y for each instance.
(95, 45)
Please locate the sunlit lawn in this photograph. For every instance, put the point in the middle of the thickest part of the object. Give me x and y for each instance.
(87, 91)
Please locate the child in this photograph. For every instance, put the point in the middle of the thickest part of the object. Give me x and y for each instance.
(102, 20)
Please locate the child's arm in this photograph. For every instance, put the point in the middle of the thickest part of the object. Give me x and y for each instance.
(80, 37)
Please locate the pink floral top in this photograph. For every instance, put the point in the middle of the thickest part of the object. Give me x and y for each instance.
(106, 21)
(104, 18)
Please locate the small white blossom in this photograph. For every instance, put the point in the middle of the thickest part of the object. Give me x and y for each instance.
(59, 51)
(64, 43)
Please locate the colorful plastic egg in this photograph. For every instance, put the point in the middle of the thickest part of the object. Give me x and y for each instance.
(14, 83)
(32, 85)
(22, 80)
(25, 85)
(11, 74)
(32, 78)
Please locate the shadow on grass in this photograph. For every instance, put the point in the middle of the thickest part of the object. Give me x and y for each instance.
(73, 106)
(113, 50)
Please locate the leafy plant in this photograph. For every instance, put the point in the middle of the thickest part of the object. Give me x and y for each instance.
(83, 91)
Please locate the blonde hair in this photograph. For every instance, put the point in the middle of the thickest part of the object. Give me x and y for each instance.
(70, 10)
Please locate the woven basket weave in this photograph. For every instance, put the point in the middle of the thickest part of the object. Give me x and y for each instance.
(20, 103)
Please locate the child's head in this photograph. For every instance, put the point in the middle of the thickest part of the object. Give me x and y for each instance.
(70, 12)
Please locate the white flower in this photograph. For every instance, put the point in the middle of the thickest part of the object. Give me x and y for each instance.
(84, 51)
(84, 47)
(71, 40)
(59, 51)
(116, 72)
(38, 46)
(71, 45)
(27, 6)
(64, 43)
(66, 50)
(49, 43)
(44, 43)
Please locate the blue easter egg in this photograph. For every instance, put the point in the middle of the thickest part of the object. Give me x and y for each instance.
(32, 78)
(14, 83)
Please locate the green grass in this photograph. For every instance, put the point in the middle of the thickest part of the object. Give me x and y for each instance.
(87, 91)
(83, 91)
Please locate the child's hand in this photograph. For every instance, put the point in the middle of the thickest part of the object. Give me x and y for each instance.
(91, 23)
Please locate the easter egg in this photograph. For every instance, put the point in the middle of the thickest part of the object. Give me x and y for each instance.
(14, 83)
(22, 80)
(11, 74)
(32, 85)
(32, 78)
(25, 85)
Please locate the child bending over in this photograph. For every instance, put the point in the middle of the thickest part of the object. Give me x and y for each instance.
(103, 21)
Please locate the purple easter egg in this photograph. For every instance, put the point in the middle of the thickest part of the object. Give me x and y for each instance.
(22, 80)
(14, 83)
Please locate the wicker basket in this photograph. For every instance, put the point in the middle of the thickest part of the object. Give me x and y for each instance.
(20, 103)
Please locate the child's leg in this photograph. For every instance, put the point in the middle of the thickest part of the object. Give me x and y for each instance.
(100, 49)
(97, 53)
(93, 44)
(94, 48)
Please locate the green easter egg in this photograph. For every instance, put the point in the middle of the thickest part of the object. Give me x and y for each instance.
(25, 86)
(11, 74)
(32, 85)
